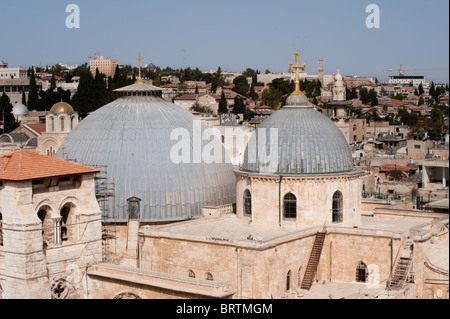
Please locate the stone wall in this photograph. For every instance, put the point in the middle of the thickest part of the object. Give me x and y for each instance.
(33, 269)
(314, 197)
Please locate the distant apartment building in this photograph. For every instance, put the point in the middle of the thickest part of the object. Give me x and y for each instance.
(11, 73)
(104, 64)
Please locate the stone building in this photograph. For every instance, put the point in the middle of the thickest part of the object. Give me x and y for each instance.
(50, 227)
(354, 129)
(60, 121)
(294, 227)
(300, 230)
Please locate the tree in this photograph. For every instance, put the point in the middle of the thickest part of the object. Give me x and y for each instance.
(432, 89)
(252, 94)
(398, 96)
(421, 101)
(223, 106)
(364, 95)
(53, 83)
(241, 85)
(24, 99)
(82, 100)
(272, 97)
(421, 91)
(33, 95)
(6, 109)
(239, 106)
(98, 91)
(373, 97)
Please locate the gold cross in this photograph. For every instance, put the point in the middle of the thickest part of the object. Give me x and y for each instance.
(139, 80)
(296, 67)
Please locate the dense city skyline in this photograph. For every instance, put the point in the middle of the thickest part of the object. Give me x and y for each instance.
(234, 35)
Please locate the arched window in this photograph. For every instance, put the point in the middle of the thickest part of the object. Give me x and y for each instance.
(62, 124)
(73, 122)
(362, 272)
(191, 274)
(288, 280)
(337, 207)
(247, 202)
(52, 124)
(290, 206)
(134, 207)
(209, 276)
(67, 223)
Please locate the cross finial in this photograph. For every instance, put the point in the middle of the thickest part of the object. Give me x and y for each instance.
(139, 80)
(297, 67)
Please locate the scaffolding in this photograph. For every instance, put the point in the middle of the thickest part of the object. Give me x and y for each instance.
(104, 192)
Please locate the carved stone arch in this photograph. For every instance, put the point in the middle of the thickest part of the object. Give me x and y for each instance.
(68, 200)
(127, 295)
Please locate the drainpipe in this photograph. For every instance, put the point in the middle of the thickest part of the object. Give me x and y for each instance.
(279, 199)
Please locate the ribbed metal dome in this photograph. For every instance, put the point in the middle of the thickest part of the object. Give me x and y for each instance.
(61, 107)
(308, 143)
(132, 136)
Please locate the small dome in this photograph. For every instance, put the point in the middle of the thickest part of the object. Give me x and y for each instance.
(297, 100)
(338, 77)
(308, 143)
(19, 109)
(62, 107)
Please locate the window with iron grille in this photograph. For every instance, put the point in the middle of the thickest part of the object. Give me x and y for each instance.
(290, 206)
(337, 208)
(362, 272)
(247, 203)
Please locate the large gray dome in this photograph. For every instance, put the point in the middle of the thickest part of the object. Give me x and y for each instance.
(132, 137)
(308, 143)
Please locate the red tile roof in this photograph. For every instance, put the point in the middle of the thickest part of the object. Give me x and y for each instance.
(195, 96)
(394, 167)
(40, 128)
(27, 165)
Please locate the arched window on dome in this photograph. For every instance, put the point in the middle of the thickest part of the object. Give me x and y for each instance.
(72, 123)
(247, 203)
(290, 206)
(52, 124)
(191, 273)
(337, 208)
(362, 272)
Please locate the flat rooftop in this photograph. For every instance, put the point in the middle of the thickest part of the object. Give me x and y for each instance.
(230, 229)
(337, 290)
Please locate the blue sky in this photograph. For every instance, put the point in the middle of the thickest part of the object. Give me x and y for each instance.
(233, 34)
